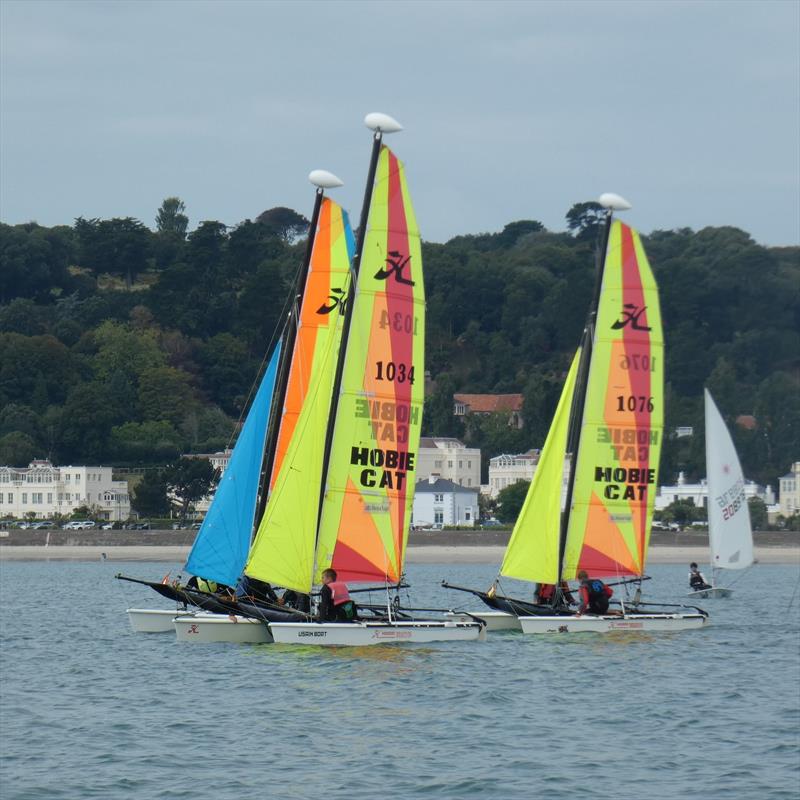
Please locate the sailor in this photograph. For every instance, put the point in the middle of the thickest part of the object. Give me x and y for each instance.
(594, 594)
(544, 594)
(253, 589)
(335, 603)
(697, 581)
(296, 600)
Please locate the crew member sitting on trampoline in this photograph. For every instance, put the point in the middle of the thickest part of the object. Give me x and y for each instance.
(335, 604)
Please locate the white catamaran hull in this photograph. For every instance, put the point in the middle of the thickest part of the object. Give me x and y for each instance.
(495, 620)
(606, 624)
(152, 620)
(714, 591)
(211, 628)
(366, 633)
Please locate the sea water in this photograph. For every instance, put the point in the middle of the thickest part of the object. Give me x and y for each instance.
(92, 710)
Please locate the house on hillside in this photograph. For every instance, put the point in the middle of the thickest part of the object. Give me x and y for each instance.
(505, 470)
(449, 459)
(441, 502)
(485, 404)
(789, 494)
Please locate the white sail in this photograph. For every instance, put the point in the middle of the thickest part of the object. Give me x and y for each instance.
(729, 528)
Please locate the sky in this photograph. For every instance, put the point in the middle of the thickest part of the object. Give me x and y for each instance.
(511, 110)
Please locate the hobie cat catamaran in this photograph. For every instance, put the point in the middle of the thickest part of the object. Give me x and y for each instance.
(729, 531)
(343, 498)
(311, 331)
(607, 428)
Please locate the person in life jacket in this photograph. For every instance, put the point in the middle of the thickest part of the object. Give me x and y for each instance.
(697, 581)
(544, 594)
(335, 603)
(594, 594)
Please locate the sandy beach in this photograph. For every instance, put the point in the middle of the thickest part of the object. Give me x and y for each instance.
(424, 554)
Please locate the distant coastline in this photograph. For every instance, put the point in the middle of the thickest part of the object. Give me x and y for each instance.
(454, 547)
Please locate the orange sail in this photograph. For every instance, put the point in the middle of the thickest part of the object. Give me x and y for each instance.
(370, 480)
(321, 305)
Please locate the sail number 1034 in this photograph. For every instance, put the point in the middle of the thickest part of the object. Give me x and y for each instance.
(400, 322)
(390, 371)
(634, 402)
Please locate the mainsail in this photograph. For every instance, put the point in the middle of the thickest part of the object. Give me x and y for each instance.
(220, 548)
(320, 306)
(533, 550)
(369, 484)
(729, 529)
(283, 549)
(616, 468)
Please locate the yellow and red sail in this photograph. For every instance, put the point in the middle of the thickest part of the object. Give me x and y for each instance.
(320, 305)
(616, 473)
(370, 482)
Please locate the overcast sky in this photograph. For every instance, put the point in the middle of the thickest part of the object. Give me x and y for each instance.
(512, 111)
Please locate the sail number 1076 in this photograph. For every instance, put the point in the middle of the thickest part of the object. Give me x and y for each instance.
(634, 402)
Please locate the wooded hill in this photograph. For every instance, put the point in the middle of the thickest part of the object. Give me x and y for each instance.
(125, 345)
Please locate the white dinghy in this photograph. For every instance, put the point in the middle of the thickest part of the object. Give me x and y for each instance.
(342, 500)
(730, 533)
(152, 620)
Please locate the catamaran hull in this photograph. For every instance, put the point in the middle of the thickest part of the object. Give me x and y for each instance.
(152, 620)
(608, 624)
(359, 634)
(213, 628)
(495, 620)
(715, 591)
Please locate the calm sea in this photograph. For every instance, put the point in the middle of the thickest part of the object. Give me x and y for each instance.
(92, 710)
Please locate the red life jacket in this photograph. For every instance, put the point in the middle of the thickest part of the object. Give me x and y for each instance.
(339, 593)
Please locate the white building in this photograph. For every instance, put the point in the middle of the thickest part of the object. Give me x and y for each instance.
(789, 491)
(44, 490)
(449, 459)
(505, 470)
(698, 493)
(219, 460)
(441, 502)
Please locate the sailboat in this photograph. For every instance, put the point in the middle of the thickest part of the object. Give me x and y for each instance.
(221, 547)
(729, 531)
(607, 433)
(357, 435)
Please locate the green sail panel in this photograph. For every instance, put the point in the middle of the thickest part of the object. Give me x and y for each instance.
(532, 552)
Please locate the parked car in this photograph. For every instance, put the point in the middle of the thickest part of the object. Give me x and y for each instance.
(491, 523)
(138, 526)
(44, 523)
(78, 525)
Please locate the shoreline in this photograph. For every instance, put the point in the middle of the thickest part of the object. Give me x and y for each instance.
(416, 554)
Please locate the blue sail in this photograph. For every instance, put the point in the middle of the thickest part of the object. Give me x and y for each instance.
(223, 541)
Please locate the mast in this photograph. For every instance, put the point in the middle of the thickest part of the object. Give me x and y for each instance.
(322, 180)
(610, 202)
(380, 124)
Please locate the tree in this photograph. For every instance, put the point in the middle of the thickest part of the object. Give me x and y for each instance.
(149, 498)
(17, 449)
(190, 480)
(284, 223)
(684, 512)
(584, 220)
(165, 394)
(510, 501)
(170, 218)
(120, 246)
(758, 514)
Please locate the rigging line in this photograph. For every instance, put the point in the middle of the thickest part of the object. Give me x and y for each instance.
(741, 575)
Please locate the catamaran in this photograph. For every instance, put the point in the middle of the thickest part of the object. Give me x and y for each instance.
(729, 531)
(357, 435)
(221, 547)
(606, 434)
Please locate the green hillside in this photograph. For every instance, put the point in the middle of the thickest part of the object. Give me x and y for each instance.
(123, 345)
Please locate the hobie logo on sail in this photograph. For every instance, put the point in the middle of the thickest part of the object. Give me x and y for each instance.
(628, 444)
(624, 484)
(337, 299)
(630, 316)
(395, 264)
(390, 420)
